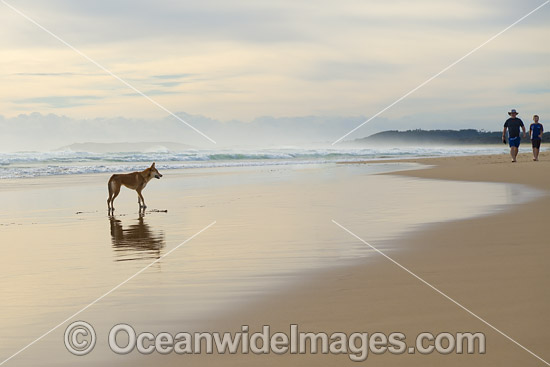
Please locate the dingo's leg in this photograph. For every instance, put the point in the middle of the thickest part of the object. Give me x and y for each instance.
(114, 190)
(141, 200)
(109, 186)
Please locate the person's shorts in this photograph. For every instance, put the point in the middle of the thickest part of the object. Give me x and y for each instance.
(536, 143)
(514, 142)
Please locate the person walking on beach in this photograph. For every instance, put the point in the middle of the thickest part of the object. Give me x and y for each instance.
(512, 125)
(535, 131)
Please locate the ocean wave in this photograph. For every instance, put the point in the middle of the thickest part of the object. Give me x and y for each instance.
(33, 164)
(53, 170)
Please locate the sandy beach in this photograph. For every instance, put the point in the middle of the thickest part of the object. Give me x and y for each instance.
(496, 266)
(473, 227)
(274, 183)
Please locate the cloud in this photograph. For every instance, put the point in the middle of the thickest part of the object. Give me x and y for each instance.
(325, 70)
(172, 76)
(36, 131)
(238, 60)
(58, 101)
(534, 90)
(45, 74)
(151, 93)
(168, 84)
(126, 20)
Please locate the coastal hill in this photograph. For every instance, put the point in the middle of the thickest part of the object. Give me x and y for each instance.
(437, 137)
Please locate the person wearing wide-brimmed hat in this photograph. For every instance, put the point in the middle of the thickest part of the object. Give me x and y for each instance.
(513, 124)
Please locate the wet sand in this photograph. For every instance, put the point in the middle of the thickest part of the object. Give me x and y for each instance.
(274, 257)
(496, 266)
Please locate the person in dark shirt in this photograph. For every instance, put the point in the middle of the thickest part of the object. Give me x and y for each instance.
(535, 131)
(513, 124)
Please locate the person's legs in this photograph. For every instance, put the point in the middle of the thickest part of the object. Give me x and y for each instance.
(514, 147)
(514, 153)
(536, 149)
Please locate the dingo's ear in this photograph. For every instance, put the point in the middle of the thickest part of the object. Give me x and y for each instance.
(153, 165)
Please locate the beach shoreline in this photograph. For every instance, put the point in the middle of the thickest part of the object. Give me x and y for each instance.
(220, 281)
(500, 274)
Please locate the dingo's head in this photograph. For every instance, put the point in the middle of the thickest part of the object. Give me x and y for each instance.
(154, 172)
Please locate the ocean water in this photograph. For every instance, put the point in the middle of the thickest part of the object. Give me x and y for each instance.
(35, 164)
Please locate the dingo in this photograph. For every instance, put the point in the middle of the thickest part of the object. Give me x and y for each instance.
(135, 181)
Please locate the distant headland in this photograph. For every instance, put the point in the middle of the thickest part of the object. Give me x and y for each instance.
(437, 137)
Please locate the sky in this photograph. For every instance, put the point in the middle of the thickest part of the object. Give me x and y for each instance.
(275, 64)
